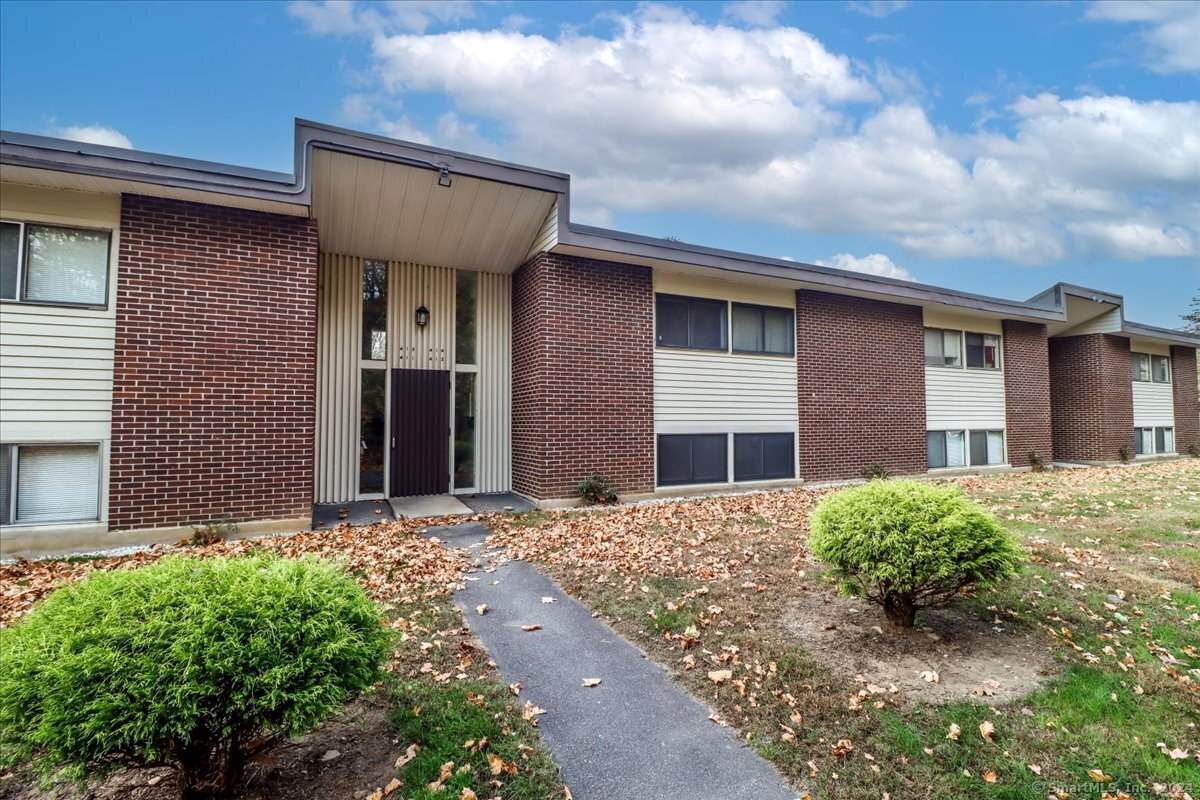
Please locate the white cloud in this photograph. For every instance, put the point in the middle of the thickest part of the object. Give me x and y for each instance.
(759, 13)
(873, 264)
(1170, 31)
(876, 38)
(344, 17)
(94, 134)
(876, 8)
(665, 112)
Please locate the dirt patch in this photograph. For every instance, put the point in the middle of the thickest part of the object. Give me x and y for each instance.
(974, 660)
(367, 751)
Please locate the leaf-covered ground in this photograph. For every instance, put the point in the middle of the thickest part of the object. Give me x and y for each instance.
(1110, 599)
(443, 726)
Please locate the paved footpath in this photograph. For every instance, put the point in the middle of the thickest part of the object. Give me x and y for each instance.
(636, 736)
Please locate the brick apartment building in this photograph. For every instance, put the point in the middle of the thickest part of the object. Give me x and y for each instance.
(183, 341)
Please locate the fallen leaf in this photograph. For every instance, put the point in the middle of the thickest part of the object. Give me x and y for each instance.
(590, 682)
(468, 794)
(986, 729)
(955, 731)
(931, 676)
(720, 675)
(393, 785)
(408, 756)
(1099, 776)
(547, 599)
(989, 777)
(528, 628)
(1035, 769)
(481, 609)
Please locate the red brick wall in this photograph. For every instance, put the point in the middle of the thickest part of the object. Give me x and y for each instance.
(583, 375)
(861, 378)
(214, 378)
(1091, 397)
(1187, 404)
(1027, 392)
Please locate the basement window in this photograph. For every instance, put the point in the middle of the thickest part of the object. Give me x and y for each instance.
(1155, 440)
(949, 449)
(46, 483)
(53, 265)
(763, 456)
(692, 458)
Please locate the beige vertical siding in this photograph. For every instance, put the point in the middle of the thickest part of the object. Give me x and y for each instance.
(339, 334)
(547, 235)
(494, 457)
(412, 347)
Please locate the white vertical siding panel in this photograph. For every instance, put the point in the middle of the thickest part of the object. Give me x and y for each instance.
(547, 234)
(964, 398)
(432, 287)
(339, 324)
(494, 457)
(1153, 404)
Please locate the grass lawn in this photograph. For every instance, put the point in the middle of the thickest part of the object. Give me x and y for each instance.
(1108, 608)
(442, 724)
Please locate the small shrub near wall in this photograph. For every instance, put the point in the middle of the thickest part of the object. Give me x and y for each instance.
(200, 663)
(907, 545)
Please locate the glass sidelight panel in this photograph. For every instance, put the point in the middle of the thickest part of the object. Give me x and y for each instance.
(372, 431)
(374, 310)
(466, 292)
(464, 430)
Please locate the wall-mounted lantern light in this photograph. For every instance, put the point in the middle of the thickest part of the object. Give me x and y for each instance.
(444, 176)
(422, 317)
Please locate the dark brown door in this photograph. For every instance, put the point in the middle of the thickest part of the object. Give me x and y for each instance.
(420, 432)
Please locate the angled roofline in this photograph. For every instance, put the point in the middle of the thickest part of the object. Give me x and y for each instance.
(649, 247)
(62, 155)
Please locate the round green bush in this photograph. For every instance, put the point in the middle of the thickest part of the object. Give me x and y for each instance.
(907, 545)
(199, 663)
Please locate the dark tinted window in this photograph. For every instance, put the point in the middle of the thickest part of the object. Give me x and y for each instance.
(979, 454)
(10, 250)
(983, 351)
(692, 458)
(690, 322)
(763, 456)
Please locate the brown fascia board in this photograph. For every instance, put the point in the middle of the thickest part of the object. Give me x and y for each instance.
(818, 277)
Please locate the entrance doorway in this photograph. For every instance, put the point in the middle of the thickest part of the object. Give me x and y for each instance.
(420, 460)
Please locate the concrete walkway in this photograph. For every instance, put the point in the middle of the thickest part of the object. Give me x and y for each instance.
(636, 736)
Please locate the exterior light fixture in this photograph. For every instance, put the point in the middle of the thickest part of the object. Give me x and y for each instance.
(422, 317)
(444, 176)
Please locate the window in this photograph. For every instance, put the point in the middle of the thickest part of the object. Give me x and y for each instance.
(1141, 366)
(466, 290)
(52, 264)
(690, 322)
(692, 458)
(763, 456)
(464, 430)
(374, 310)
(964, 448)
(942, 348)
(1160, 369)
(47, 483)
(762, 329)
(1150, 441)
(372, 431)
(983, 351)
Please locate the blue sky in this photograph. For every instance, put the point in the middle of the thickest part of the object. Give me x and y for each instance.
(990, 147)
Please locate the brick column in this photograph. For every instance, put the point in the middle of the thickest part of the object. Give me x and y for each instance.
(861, 386)
(583, 375)
(1027, 392)
(1091, 397)
(1187, 404)
(215, 364)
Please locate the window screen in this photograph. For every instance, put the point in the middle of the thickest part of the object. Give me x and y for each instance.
(942, 348)
(983, 351)
(762, 329)
(10, 259)
(1141, 366)
(763, 456)
(5, 484)
(66, 265)
(1160, 369)
(692, 458)
(691, 322)
(57, 483)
